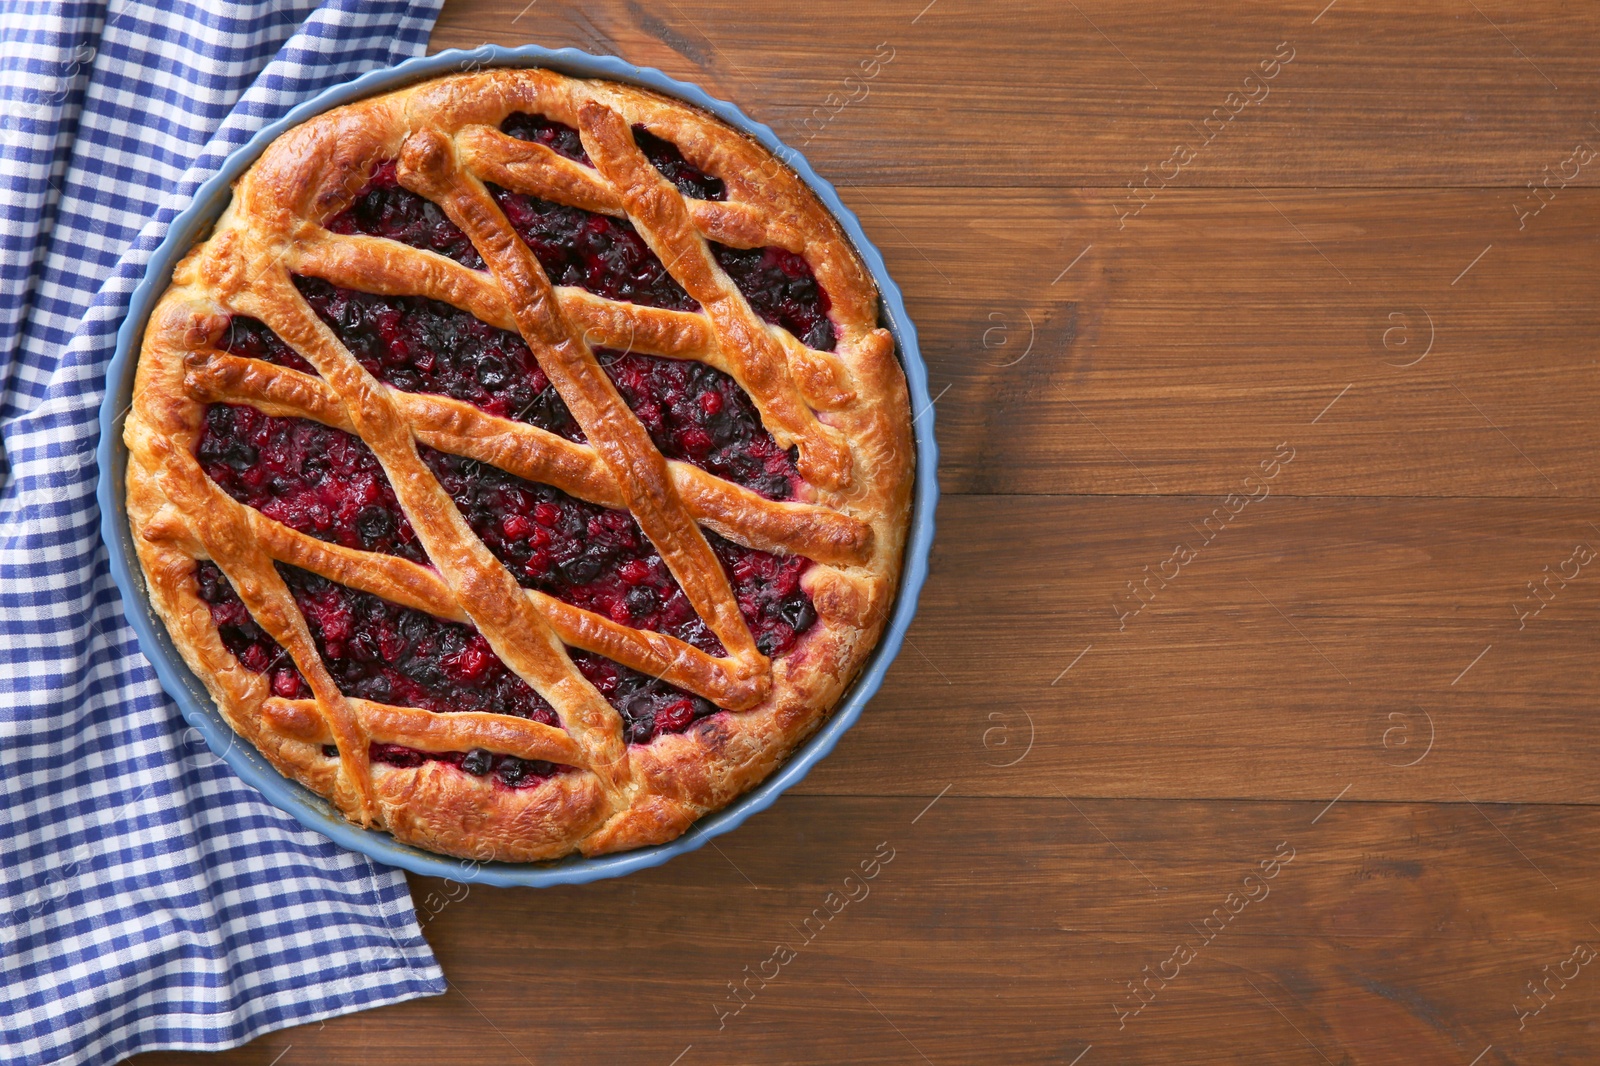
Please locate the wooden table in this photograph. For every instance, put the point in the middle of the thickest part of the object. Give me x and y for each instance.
(1249, 715)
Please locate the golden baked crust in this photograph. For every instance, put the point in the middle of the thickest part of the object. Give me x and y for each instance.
(846, 411)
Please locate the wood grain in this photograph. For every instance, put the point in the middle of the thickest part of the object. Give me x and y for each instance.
(1181, 348)
(1036, 93)
(1393, 927)
(1259, 500)
(1310, 644)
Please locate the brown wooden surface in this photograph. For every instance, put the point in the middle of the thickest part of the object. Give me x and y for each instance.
(1339, 274)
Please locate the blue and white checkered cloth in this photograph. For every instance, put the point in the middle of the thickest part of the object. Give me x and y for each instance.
(148, 898)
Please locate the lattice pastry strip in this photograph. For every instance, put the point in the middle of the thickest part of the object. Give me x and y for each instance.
(535, 454)
(531, 167)
(421, 588)
(480, 586)
(623, 797)
(428, 166)
(376, 265)
(759, 364)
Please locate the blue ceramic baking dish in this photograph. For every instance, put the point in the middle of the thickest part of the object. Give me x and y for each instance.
(193, 700)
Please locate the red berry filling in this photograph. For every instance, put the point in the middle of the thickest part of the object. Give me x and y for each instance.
(588, 556)
(559, 137)
(374, 650)
(693, 412)
(327, 483)
(420, 345)
(699, 415)
(600, 560)
(599, 253)
(781, 289)
(648, 705)
(663, 155)
(777, 610)
(385, 209)
(381, 651)
(249, 643)
(251, 339)
(321, 481)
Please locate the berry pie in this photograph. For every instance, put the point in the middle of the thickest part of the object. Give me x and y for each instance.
(520, 463)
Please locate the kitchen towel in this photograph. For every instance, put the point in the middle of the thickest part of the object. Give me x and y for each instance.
(148, 898)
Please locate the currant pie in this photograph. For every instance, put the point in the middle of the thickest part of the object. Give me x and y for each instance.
(520, 463)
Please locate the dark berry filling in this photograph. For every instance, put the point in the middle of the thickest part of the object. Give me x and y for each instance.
(601, 254)
(596, 252)
(690, 179)
(388, 653)
(777, 610)
(374, 649)
(378, 650)
(693, 412)
(599, 559)
(559, 137)
(420, 345)
(698, 414)
(321, 481)
(386, 209)
(408, 658)
(648, 705)
(663, 154)
(588, 556)
(251, 339)
(508, 770)
(249, 643)
(329, 485)
(781, 289)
